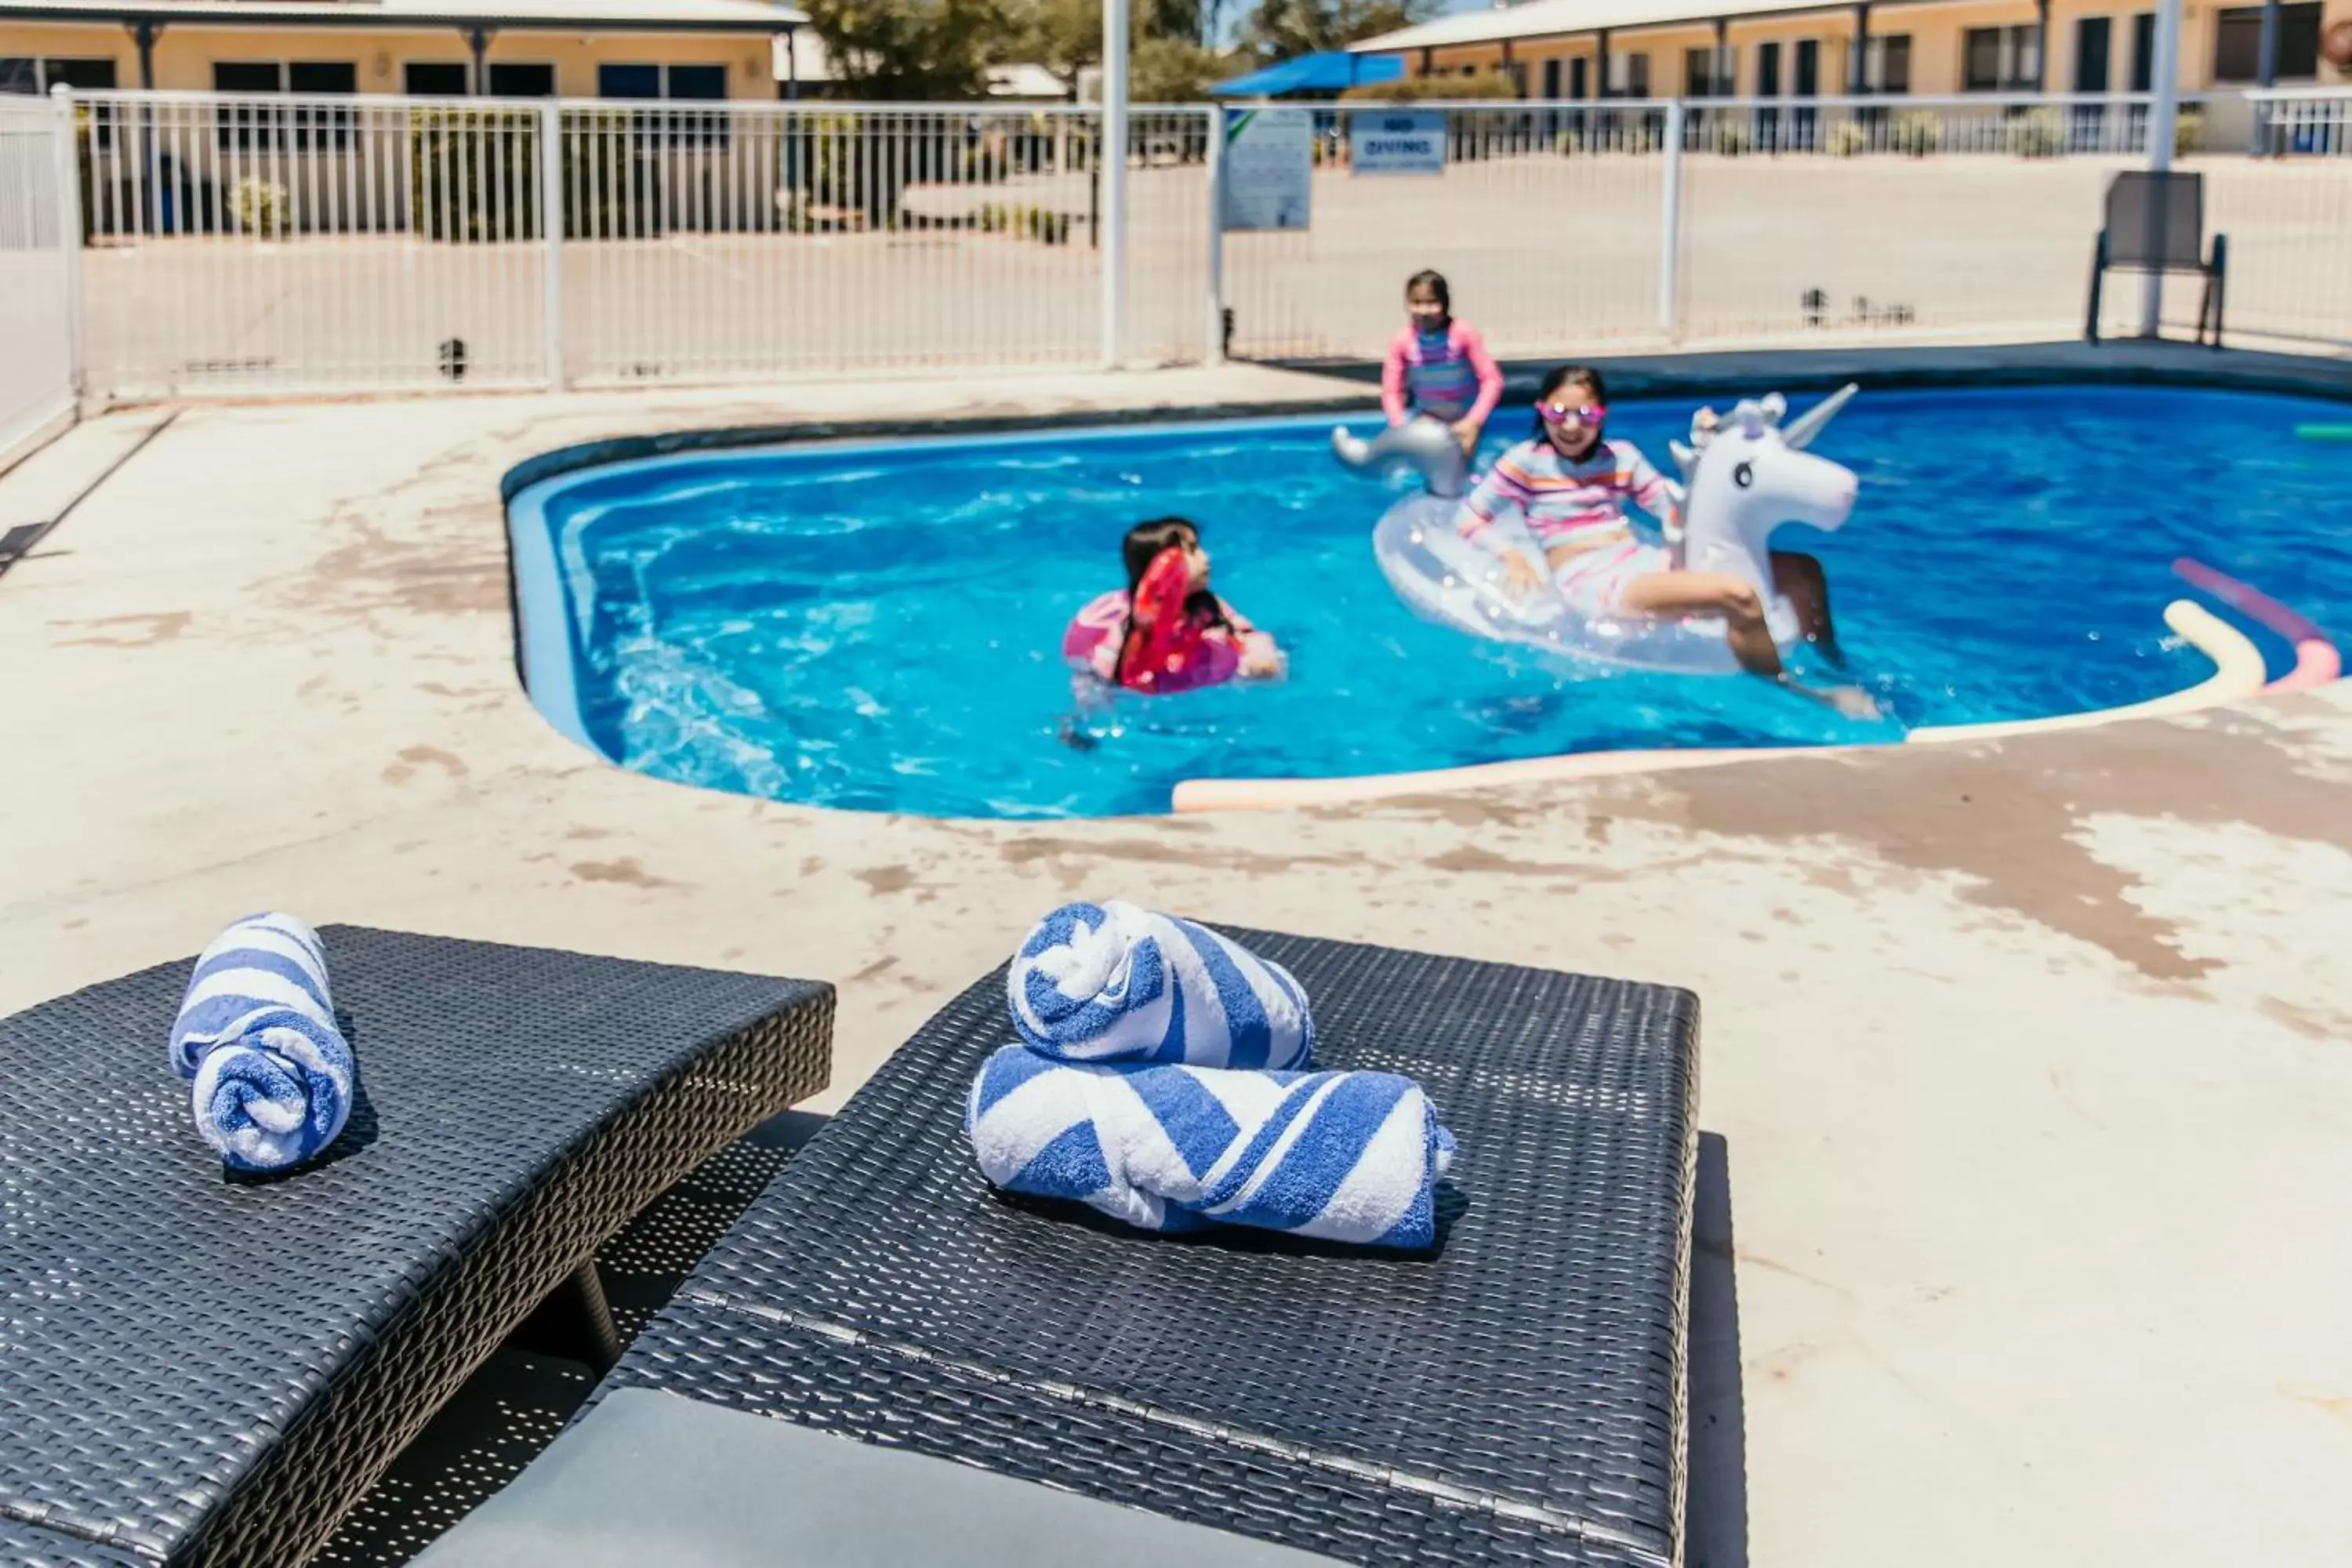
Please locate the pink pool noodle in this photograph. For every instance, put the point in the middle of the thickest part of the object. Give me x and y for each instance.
(2317, 661)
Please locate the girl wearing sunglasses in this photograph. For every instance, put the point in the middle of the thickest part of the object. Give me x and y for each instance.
(1570, 483)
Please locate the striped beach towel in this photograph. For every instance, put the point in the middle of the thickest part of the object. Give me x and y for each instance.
(256, 1036)
(1339, 1156)
(1109, 982)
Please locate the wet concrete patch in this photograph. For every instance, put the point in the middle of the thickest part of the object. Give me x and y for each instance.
(2007, 815)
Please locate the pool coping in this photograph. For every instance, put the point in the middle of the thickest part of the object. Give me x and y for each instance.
(1651, 376)
(2238, 674)
(537, 592)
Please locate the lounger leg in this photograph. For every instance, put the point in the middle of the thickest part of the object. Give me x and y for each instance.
(575, 1322)
(2098, 279)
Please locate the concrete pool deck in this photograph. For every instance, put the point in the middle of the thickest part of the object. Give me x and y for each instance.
(2031, 1060)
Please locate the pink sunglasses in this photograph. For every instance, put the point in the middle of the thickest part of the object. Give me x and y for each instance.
(1593, 416)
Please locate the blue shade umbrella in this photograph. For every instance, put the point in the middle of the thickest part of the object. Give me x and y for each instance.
(1333, 72)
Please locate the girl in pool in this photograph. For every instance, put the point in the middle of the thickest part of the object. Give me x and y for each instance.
(1438, 367)
(1571, 484)
(1167, 632)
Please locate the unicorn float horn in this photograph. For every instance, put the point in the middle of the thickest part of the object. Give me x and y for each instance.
(1425, 445)
(1798, 432)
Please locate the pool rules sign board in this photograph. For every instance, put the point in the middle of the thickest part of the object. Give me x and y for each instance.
(1397, 141)
(1269, 168)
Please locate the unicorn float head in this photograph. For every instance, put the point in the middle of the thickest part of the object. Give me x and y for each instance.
(1743, 475)
(1747, 473)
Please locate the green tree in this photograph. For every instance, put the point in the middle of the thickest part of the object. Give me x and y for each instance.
(1066, 37)
(1062, 36)
(1279, 29)
(902, 50)
(1173, 70)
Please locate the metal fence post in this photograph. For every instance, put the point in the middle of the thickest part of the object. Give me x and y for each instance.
(1112, 161)
(550, 232)
(66, 147)
(1670, 228)
(2163, 115)
(1214, 353)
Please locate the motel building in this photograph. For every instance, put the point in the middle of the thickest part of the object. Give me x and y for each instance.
(692, 50)
(1789, 51)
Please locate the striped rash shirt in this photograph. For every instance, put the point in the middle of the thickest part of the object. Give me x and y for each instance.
(1449, 375)
(1562, 501)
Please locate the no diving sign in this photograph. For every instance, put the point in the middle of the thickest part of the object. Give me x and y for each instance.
(1398, 142)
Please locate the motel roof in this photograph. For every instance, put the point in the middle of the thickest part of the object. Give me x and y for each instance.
(1566, 18)
(601, 15)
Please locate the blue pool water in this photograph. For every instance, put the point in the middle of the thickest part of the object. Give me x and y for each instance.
(877, 626)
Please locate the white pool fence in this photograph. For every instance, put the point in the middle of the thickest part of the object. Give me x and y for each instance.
(289, 244)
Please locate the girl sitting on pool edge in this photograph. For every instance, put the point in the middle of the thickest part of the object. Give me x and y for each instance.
(1438, 367)
(1571, 484)
(1167, 632)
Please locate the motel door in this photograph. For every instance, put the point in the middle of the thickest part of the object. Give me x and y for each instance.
(1783, 120)
(2094, 39)
(1805, 119)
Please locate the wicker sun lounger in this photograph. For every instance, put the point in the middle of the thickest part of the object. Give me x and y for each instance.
(199, 1369)
(1519, 1396)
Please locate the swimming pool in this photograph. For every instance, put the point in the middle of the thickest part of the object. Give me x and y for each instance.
(876, 626)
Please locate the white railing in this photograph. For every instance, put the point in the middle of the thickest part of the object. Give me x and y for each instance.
(1793, 221)
(1875, 219)
(37, 262)
(282, 245)
(1546, 220)
(2288, 215)
(296, 245)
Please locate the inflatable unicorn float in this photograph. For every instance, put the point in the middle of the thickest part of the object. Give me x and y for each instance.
(1743, 475)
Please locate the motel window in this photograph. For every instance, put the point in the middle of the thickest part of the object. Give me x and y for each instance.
(522, 80)
(1710, 73)
(1888, 67)
(21, 74)
(1629, 76)
(435, 78)
(2238, 44)
(1551, 78)
(703, 84)
(678, 84)
(2001, 59)
(252, 125)
(2143, 51)
(628, 81)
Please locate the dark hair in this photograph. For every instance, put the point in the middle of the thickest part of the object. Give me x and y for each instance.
(1560, 375)
(1435, 282)
(1138, 548)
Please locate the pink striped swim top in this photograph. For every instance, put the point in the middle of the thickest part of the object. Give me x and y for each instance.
(1563, 501)
(1449, 375)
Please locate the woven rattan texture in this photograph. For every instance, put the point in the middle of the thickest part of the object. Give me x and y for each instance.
(1519, 1396)
(204, 1369)
(25, 1546)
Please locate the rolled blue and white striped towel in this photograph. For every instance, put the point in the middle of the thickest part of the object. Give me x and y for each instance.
(257, 1033)
(1339, 1156)
(1111, 983)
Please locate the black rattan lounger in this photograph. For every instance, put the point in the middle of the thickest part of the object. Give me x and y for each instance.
(196, 1369)
(1519, 1396)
